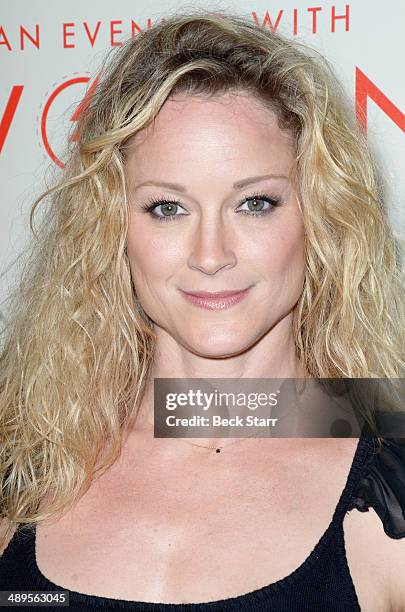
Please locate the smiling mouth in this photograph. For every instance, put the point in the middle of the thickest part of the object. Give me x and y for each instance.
(214, 294)
(217, 300)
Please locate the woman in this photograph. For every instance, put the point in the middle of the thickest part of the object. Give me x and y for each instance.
(213, 156)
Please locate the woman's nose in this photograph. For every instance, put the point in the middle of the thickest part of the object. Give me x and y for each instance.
(211, 248)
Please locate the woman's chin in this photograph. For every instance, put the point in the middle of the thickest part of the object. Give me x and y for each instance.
(212, 346)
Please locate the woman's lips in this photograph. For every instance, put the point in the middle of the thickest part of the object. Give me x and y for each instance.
(216, 301)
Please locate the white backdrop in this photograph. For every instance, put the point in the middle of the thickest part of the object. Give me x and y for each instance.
(50, 53)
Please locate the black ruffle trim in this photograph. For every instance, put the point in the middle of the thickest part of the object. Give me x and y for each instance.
(382, 485)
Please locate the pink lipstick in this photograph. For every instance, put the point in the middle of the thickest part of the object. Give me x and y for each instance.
(218, 300)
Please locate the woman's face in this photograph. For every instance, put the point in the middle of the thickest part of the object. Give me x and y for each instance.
(208, 237)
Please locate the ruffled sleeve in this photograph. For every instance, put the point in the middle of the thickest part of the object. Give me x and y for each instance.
(382, 485)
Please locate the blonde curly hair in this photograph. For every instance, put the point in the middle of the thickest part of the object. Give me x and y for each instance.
(78, 347)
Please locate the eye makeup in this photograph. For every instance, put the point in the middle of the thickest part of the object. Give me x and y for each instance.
(154, 203)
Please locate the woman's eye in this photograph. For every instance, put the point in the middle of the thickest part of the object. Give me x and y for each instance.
(168, 209)
(257, 206)
(167, 212)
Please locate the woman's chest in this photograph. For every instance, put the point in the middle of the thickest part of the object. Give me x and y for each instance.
(181, 554)
(197, 537)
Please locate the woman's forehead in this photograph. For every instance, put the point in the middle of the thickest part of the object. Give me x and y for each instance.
(216, 117)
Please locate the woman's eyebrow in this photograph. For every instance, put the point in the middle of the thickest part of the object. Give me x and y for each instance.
(237, 185)
(257, 179)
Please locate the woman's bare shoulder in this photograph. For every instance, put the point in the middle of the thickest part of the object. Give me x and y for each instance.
(375, 536)
(374, 558)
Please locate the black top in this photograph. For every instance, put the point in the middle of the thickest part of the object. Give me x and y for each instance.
(322, 582)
